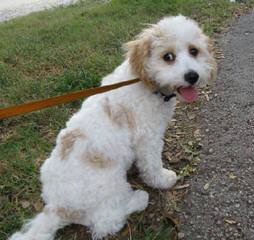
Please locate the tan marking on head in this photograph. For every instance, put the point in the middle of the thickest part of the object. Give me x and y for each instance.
(124, 116)
(97, 159)
(212, 62)
(74, 216)
(68, 140)
(120, 115)
(138, 51)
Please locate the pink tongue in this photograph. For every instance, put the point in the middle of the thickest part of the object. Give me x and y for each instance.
(190, 94)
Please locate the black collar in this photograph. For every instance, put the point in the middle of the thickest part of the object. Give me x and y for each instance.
(166, 97)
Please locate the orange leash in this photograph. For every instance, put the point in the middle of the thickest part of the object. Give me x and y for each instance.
(40, 104)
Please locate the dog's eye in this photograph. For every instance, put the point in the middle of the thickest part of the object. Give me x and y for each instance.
(169, 57)
(193, 51)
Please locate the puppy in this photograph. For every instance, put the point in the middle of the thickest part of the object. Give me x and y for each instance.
(84, 179)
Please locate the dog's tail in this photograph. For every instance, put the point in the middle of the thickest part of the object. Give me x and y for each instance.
(42, 227)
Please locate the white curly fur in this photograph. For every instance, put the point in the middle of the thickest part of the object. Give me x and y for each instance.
(84, 179)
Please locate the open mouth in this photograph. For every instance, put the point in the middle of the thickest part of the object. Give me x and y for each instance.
(189, 94)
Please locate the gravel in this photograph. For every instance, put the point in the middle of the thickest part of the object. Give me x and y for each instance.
(220, 203)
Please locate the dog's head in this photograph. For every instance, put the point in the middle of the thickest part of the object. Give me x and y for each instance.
(173, 54)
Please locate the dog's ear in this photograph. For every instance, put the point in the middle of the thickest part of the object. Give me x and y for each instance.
(212, 61)
(137, 52)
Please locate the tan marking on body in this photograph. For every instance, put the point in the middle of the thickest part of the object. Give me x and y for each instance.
(74, 216)
(68, 140)
(97, 159)
(124, 116)
(120, 115)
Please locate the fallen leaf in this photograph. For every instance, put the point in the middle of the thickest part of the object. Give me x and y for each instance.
(232, 176)
(38, 206)
(173, 219)
(181, 186)
(230, 221)
(25, 204)
(197, 133)
(180, 133)
(126, 230)
(39, 161)
(167, 155)
(206, 186)
(207, 97)
(191, 116)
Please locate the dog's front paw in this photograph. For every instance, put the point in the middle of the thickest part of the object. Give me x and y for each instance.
(167, 179)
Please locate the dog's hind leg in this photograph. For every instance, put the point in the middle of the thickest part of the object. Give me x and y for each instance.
(110, 217)
(42, 227)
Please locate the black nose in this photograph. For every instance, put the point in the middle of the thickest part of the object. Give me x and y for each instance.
(191, 77)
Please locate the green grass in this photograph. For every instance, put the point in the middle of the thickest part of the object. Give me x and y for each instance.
(66, 49)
